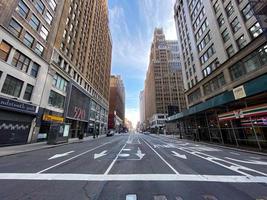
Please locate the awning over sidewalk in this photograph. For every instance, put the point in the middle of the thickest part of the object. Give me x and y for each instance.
(252, 87)
(258, 110)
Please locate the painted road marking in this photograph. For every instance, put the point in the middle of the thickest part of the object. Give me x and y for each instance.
(115, 159)
(60, 155)
(126, 149)
(160, 197)
(124, 155)
(254, 162)
(131, 197)
(140, 154)
(133, 177)
(234, 153)
(179, 155)
(58, 164)
(161, 158)
(99, 155)
(232, 166)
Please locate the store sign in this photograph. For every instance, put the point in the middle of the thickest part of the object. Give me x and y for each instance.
(239, 92)
(53, 118)
(10, 104)
(79, 105)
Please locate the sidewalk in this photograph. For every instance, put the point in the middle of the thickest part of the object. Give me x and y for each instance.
(214, 145)
(11, 150)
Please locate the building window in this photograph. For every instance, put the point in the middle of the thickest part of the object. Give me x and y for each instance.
(229, 9)
(34, 22)
(21, 61)
(5, 49)
(60, 83)
(241, 42)
(214, 85)
(230, 51)
(204, 42)
(216, 7)
(52, 4)
(225, 35)
(194, 96)
(48, 18)
(205, 57)
(252, 62)
(247, 12)
(40, 6)
(220, 20)
(28, 92)
(23, 9)
(12, 86)
(235, 25)
(255, 30)
(35, 70)
(39, 49)
(44, 33)
(15, 28)
(28, 40)
(212, 66)
(56, 100)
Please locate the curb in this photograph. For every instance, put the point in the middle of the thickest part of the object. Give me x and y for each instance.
(47, 147)
(217, 145)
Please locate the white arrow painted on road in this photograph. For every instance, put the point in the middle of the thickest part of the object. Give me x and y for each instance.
(98, 155)
(179, 155)
(140, 154)
(60, 155)
(255, 162)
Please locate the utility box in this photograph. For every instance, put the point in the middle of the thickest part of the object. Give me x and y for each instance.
(58, 133)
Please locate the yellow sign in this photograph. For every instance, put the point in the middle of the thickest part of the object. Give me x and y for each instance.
(53, 118)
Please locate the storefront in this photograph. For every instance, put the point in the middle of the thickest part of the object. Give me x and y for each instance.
(78, 112)
(16, 122)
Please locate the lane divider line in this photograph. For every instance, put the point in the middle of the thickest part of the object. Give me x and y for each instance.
(115, 159)
(60, 163)
(169, 165)
(234, 166)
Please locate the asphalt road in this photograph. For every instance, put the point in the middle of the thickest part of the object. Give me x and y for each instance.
(133, 166)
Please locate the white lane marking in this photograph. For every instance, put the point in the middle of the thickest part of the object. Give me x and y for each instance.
(60, 155)
(44, 170)
(179, 155)
(161, 158)
(234, 153)
(257, 158)
(140, 154)
(160, 197)
(133, 177)
(124, 155)
(115, 159)
(233, 166)
(131, 197)
(101, 154)
(126, 149)
(254, 162)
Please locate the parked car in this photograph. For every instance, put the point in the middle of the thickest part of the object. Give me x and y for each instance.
(110, 133)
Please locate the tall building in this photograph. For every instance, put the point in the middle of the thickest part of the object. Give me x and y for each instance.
(163, 84)
(116, 103)
(142, 106)
(224, 62)
(55, 59)
(82, 61)
(27, 33)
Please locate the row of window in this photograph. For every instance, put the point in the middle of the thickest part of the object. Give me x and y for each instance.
(204, 42)
(202, 29)
(205, 57)
(19, 60)
(13, 87)
(199, 19)
(250, 63)
(28, 39)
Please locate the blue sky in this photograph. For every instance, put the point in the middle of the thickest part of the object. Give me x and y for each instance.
(132, 23)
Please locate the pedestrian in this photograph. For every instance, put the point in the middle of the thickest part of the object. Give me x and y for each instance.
(194, 135)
